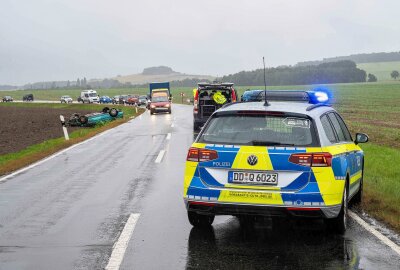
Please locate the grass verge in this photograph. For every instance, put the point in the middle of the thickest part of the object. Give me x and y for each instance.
(381, 184)
(14, 161)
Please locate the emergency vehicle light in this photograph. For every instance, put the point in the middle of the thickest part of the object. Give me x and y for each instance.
(315, 96)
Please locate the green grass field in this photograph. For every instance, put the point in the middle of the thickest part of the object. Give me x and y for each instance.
(372, 108)
(381, 70)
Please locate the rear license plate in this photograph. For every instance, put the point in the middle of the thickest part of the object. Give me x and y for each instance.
(257, 178)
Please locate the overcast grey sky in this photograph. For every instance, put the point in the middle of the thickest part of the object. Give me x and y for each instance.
(45, 40)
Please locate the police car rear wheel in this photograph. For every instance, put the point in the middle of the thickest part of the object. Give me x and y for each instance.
(339, 223)
(198, 220)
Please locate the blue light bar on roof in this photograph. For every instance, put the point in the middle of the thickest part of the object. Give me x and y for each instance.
(320, 95)
(316, 96)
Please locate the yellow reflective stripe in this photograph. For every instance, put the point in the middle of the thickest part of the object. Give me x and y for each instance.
(199, 145)
(355, 177)
(331, 190)
(313, 149)
(264, 161)
(250, 197)
(189, 174)
(335, 149)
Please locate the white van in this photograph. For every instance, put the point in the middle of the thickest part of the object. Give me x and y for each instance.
(89, 96)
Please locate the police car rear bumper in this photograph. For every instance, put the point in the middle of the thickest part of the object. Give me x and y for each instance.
(218, 208)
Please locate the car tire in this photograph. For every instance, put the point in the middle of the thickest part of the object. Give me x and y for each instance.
(106, 110)
(83, 119)
(113, 112)
(151, 112)
(169, 111)
(201, 221)
(339, 223)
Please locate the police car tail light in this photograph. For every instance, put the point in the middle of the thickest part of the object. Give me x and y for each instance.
(321, 160)
(233, 95)
(195, 102)
(200, 155)
(312, 159)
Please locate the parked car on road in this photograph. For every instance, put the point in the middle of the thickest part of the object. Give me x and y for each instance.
(122, 99)
(28, 97)
(208, 98)
(105, 99)
(132, 99)
(115, 100)
(66, 99)
(7, 99)
(89, 96)
(142, 100)
(251, 95)
(292, 156)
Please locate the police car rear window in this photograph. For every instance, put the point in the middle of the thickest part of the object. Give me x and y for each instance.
(259, 130)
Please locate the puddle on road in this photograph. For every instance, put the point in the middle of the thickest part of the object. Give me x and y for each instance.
(271, 245)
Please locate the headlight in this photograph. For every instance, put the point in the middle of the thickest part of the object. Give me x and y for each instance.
(167, 105)
(152, 106)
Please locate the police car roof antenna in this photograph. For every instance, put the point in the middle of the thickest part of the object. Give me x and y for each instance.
(265, 86)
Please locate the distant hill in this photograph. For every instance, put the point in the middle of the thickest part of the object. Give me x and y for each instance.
(158, 74)
(357, 58)
(381, 70)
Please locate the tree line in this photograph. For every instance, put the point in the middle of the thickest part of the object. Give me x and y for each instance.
(325, 73)
(358, 58)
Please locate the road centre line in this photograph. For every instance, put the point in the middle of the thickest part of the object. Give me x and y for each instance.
(160, 156)
(374, 232)
(121, 245)
(168, 136)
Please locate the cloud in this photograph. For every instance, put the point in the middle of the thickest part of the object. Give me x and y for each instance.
(66, 39)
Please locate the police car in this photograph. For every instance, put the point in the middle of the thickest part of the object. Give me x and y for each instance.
(291, 155)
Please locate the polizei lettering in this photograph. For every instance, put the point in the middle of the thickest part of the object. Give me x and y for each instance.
(221, 164)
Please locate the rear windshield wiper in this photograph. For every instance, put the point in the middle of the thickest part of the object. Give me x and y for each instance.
(268, 143)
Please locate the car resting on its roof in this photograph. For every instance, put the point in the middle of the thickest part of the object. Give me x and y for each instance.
(92, 119)
(292, 156)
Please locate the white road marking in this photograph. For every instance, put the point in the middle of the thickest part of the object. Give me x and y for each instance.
(377, 234)
(120, 246)
(52, 156)
(172, 125)
(160, 156)
(168, 136)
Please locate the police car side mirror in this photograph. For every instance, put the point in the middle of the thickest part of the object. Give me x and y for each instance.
(361, 138)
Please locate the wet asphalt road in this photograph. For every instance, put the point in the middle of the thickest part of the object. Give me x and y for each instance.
(68, 212)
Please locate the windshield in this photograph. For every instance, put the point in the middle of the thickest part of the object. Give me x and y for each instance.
(259, 130)
(92, 95)
(160, 99)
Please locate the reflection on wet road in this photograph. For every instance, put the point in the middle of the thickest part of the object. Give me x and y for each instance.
(299, 245)
(68, 213)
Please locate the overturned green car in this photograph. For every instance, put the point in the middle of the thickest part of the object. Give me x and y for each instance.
(92, 119)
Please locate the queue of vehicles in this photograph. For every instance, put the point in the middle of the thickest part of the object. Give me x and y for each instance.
(275, 154)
